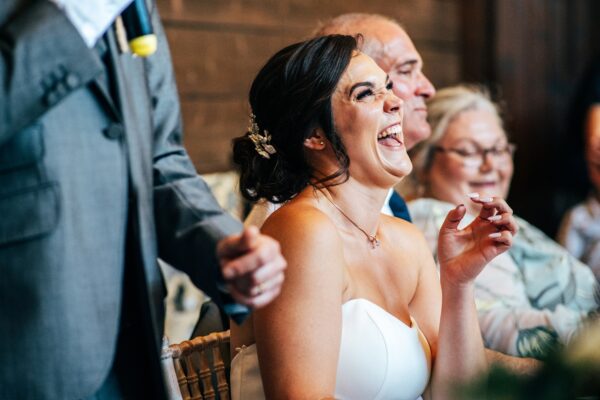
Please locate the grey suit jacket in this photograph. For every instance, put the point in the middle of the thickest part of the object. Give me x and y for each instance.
(74, 160)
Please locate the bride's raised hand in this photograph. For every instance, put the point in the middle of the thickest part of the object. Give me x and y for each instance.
(462, 253)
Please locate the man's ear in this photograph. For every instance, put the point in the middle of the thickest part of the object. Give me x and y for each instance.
(316, 140)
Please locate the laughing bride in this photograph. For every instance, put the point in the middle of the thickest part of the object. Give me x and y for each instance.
(363, 313)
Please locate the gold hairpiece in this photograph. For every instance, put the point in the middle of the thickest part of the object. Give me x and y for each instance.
(261, 142)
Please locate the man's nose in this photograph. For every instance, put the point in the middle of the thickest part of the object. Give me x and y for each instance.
(425, 87)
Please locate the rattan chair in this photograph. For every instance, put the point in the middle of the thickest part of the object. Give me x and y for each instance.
(198, 369)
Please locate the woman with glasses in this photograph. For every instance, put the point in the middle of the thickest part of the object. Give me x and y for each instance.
(532, 297)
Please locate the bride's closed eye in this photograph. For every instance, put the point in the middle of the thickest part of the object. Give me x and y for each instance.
(370, 92)
(364, 94)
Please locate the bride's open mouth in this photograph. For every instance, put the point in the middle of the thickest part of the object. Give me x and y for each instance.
(391, 137)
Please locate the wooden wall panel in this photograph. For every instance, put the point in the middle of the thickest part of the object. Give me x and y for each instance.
(538, 70)
(209, 126)
(219, 46)
(221, 64)
(441, 67)
(424, 18)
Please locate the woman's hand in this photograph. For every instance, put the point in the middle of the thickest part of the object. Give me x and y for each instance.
(462, 253)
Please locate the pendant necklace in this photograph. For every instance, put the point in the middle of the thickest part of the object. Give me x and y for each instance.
(371, 238)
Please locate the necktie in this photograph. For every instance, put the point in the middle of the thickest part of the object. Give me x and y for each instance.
(398, 207)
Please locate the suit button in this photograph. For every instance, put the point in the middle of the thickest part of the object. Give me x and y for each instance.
(114, 131)
(51, 98)
(61, 89)
(72, 81)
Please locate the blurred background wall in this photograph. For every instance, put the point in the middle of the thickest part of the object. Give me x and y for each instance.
(530, 52)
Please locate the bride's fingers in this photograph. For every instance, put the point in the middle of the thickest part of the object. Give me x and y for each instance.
(453, 218)
(491, 206)
(502, 238)
(504, 222)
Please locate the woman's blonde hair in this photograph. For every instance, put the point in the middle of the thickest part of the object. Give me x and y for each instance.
(442, 109)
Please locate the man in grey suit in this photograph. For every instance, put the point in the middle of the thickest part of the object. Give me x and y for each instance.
(94, 186)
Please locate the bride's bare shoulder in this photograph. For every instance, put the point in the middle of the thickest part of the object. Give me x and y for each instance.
(312, 247)
(303, 223)
(405, 236)
(400, 227)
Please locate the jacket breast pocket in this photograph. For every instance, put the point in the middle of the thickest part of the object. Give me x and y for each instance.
(29, 213)
(25, 148)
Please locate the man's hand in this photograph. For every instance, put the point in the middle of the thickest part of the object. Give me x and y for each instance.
(252, 266)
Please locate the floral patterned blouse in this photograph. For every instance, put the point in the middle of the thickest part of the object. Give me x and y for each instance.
(530, 298)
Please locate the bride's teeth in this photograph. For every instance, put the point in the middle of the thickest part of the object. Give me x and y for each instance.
(391, 131)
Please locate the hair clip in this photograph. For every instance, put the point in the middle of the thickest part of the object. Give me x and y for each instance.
(261, 142)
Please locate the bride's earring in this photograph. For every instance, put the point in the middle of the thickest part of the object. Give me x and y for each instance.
(315, 142)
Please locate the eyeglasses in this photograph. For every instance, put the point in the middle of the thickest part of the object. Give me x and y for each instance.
(476, 157)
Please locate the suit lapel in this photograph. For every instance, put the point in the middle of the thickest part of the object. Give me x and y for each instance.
(108, 53)
(133, 102)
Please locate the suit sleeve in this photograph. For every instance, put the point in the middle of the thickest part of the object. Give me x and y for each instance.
(189, 221)
(42, 60)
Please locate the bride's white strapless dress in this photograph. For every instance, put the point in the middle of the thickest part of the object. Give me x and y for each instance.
(380, 358)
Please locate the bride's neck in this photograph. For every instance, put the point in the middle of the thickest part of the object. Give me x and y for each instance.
(359, 203)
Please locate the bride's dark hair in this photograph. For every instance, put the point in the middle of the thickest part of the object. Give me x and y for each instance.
(290, 97)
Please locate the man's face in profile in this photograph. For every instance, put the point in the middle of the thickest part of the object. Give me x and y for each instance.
(404, 65)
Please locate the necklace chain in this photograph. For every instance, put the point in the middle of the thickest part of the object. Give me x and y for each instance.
(371, 238)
